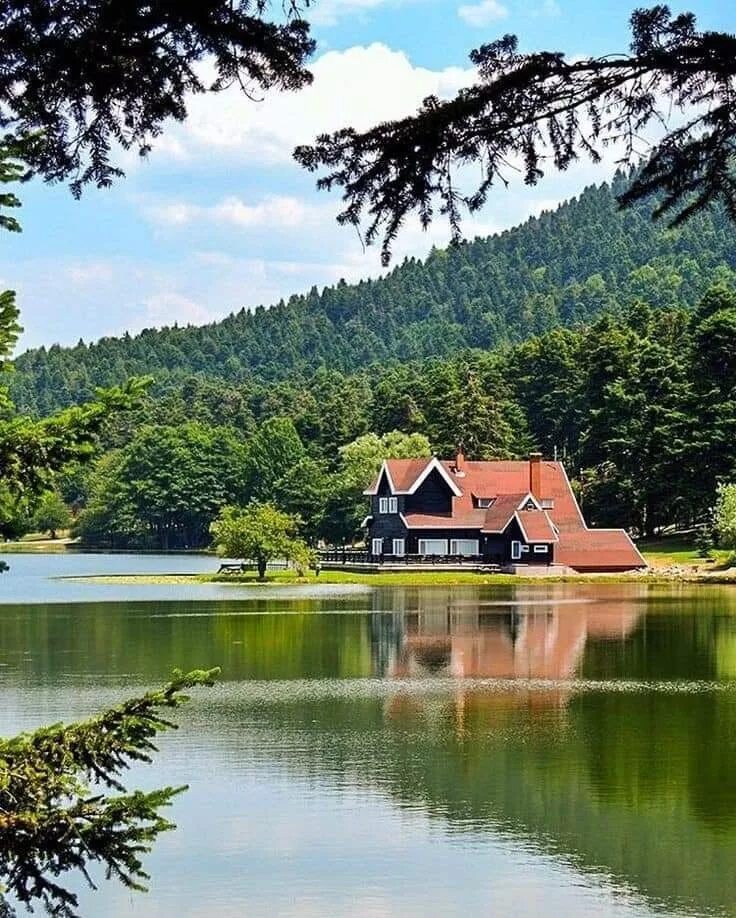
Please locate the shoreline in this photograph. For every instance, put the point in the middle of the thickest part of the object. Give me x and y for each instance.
(433, 578)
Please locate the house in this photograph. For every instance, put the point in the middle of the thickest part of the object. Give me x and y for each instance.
(510, 513)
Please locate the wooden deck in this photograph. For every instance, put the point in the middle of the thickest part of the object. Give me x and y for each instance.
(362, 562)
(376, 567)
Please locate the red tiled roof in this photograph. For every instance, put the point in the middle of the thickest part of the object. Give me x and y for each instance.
(509, 482)
(536, 526)
(402, 472)
(499, 515)
(463, 520)
(598, 549)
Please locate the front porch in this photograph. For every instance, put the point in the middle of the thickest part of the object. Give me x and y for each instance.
(362, 561)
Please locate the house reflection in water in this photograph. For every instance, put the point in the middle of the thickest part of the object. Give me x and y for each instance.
(542, 638)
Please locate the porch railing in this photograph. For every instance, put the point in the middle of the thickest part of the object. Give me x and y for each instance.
(358, 556)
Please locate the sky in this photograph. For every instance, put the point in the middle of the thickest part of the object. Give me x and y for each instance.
(220, 217)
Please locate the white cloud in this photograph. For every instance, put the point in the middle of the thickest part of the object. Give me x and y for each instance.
(272, 211)
(84, 272)
(360, 86)
(166, 307)
(328, 12)
(172, 213)
(483, 13)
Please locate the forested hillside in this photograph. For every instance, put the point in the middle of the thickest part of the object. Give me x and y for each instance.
(641, 407)
(563, 268)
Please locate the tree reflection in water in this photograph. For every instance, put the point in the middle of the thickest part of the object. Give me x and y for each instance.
(596, 723)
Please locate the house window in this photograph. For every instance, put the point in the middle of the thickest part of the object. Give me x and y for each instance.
(433, 546)
(377, 546)
(388, 505)
(548, 503)
(399, 548)
(540, 549)
(525, 549)
(485, 502)
(530, 505)
(464, 547)
(516, 551)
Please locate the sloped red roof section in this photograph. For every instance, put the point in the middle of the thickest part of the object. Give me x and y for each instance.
(499, 515)
(598, 550)
(472, 519)
(536, 526)
(404, 472)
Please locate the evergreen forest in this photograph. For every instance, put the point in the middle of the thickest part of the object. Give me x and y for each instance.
(591, 334)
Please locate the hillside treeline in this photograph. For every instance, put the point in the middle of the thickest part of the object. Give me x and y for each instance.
(562, 269)
(641, 406)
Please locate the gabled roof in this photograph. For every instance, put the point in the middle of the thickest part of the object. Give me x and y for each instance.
(405, 476)
(501, 512)
(509, 482)
(536, 526)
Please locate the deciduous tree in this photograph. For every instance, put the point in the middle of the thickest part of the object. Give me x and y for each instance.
(260, 533)
(725, 516)
(52, 514)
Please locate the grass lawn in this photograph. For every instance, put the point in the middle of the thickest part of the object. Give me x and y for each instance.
(399, 578)
(36, 541)
(677, 550)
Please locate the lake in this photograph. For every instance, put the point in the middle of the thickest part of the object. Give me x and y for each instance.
(553, 749)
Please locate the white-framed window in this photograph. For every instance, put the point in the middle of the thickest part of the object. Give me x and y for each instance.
(388, 505)
(525, 549)
(464, 547)
(516, 551)
(376, 546)
(433, 546)
(399, 548)
(547, 503)
(540, 549)
(485, 502)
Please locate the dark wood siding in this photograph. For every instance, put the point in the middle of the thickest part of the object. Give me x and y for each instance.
(386, 526)
(513, 533)
(432, 496)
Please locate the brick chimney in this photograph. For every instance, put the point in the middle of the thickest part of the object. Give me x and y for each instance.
(460, 462)
(535, 475)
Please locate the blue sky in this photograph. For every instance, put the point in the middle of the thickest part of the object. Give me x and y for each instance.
(219, 216)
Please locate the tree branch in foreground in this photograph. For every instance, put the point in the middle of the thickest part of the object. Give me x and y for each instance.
(64, 807)
(528, 110)
(79, 78)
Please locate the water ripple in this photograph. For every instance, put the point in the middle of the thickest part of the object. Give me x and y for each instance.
(295, 689)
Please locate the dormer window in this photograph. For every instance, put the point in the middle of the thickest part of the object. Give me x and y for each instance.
(483, 503)
(388, 505)
(530, 505)
(547, 503)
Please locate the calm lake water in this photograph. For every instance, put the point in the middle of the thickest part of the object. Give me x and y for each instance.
(548, 750)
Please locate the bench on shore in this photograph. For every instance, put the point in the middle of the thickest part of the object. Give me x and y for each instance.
(241, 567)
(234, 567)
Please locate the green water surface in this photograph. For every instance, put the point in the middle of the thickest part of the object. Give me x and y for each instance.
(551, 750)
